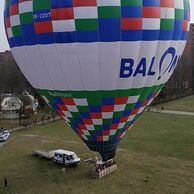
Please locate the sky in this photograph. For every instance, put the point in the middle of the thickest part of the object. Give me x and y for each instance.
(3, 41)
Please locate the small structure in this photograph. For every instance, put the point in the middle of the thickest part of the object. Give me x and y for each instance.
(10, 107)
(102, 169)
(15, 106)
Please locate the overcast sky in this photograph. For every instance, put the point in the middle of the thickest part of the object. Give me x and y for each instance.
(3, 41)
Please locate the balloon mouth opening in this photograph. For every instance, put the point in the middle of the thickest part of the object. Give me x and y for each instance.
(108, 155)
(106, 151)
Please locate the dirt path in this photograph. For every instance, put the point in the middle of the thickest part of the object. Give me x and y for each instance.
(184, 113)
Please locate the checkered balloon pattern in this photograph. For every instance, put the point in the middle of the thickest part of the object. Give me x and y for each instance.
(31, 22)
(101, 116)
(71, 51)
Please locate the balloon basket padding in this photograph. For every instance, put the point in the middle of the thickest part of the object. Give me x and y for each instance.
(105, 168)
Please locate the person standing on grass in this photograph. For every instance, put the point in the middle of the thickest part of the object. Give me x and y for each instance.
(5, 183)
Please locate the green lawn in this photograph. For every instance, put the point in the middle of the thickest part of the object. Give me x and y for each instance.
(182, 104)
(156, 156)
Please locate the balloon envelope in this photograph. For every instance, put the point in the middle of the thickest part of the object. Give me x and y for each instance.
(98, 63)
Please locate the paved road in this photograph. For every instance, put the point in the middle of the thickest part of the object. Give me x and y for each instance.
(173, 112)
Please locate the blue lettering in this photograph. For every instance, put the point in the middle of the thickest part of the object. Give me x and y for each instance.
(170, 51)
(174, 64)
(141, 68)
(126, 70)
(151, 72)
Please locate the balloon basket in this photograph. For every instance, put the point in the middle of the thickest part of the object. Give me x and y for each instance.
(102, 169)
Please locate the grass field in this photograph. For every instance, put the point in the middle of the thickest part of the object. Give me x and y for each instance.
(156, 156)
(182, 104)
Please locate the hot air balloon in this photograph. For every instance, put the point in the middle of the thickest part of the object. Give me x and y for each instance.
(98, 63)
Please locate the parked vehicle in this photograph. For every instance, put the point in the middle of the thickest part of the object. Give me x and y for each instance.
(66, 157)
(4, 136)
